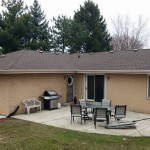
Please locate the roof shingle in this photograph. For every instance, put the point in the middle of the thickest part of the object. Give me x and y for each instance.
(33, 60)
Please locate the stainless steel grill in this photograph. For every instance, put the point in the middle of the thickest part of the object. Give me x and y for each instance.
(51, 99)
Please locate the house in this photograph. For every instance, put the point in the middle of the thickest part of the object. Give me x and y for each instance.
(120, 76)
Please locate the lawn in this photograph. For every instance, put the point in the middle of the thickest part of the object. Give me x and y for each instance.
(24, 135)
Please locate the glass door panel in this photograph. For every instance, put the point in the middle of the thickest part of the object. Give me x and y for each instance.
(90, 85)
(95, 87)
(99, 88)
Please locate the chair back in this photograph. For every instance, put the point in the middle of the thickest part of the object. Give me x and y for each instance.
(97, 103)
(106, 102)
(101, 113)
(75, 109)
(120, 110)
(82, 103)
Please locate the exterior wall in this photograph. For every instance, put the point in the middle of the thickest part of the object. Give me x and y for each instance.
(128, 89)
(15, 88)
(4, 94)
(79, 86)
(121, 89)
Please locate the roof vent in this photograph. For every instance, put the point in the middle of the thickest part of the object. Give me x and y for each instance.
(135, 50)
(111, 51)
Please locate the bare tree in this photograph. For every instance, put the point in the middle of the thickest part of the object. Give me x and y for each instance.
(128, 35)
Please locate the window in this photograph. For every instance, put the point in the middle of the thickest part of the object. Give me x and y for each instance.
(148, 87)
(70, 80)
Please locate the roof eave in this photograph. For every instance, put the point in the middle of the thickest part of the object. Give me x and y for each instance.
(34, 71)
(115, 71)
(75, 71)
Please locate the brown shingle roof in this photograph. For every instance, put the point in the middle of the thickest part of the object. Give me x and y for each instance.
(32, 60)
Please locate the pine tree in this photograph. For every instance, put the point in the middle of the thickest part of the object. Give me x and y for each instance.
(60, 32)
(96, 37)
(78, 35)
(40, 37)
(14, 25)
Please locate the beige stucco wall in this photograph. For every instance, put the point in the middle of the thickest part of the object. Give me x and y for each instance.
(15, 88)
(128, 89)
(4, 94)
(79, 86)
(121, 89)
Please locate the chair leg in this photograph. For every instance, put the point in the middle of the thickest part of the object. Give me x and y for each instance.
(84, 114)
(110, 113)
(95, 123)
(28, 110)
(107, 120)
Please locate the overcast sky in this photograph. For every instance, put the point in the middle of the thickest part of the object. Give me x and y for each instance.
(108, 8)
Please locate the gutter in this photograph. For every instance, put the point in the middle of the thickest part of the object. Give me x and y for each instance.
(75, 71)
(35, 71)
(116, 71)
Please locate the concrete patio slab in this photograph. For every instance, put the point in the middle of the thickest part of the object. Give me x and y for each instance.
(62, 118)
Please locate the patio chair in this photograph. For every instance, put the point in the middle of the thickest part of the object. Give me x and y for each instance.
(106, 102)
(83, 104)
(76, 111)
(85, 108)
(120, 112)
(97, 103)
(101, 114)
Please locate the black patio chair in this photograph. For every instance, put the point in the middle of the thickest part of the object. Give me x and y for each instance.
(120, 112)
(100, 115)
(76, 111)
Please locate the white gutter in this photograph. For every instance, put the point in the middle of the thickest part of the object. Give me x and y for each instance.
(34, 71)
(116, 71)
(75, 71)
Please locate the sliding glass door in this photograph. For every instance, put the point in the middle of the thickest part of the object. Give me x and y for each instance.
(95, 87)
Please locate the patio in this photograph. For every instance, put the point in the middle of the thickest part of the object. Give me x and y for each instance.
(61, 118)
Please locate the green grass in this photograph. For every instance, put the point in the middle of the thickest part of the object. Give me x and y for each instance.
(23, 135)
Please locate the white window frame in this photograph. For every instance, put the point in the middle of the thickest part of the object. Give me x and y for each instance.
(148, 87)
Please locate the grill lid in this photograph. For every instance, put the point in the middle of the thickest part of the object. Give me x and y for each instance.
(50, 93)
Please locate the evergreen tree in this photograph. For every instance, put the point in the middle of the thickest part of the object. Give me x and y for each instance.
(95, 36)
(60, 32)
(40, 36)
(14, 23)
(78, 35)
